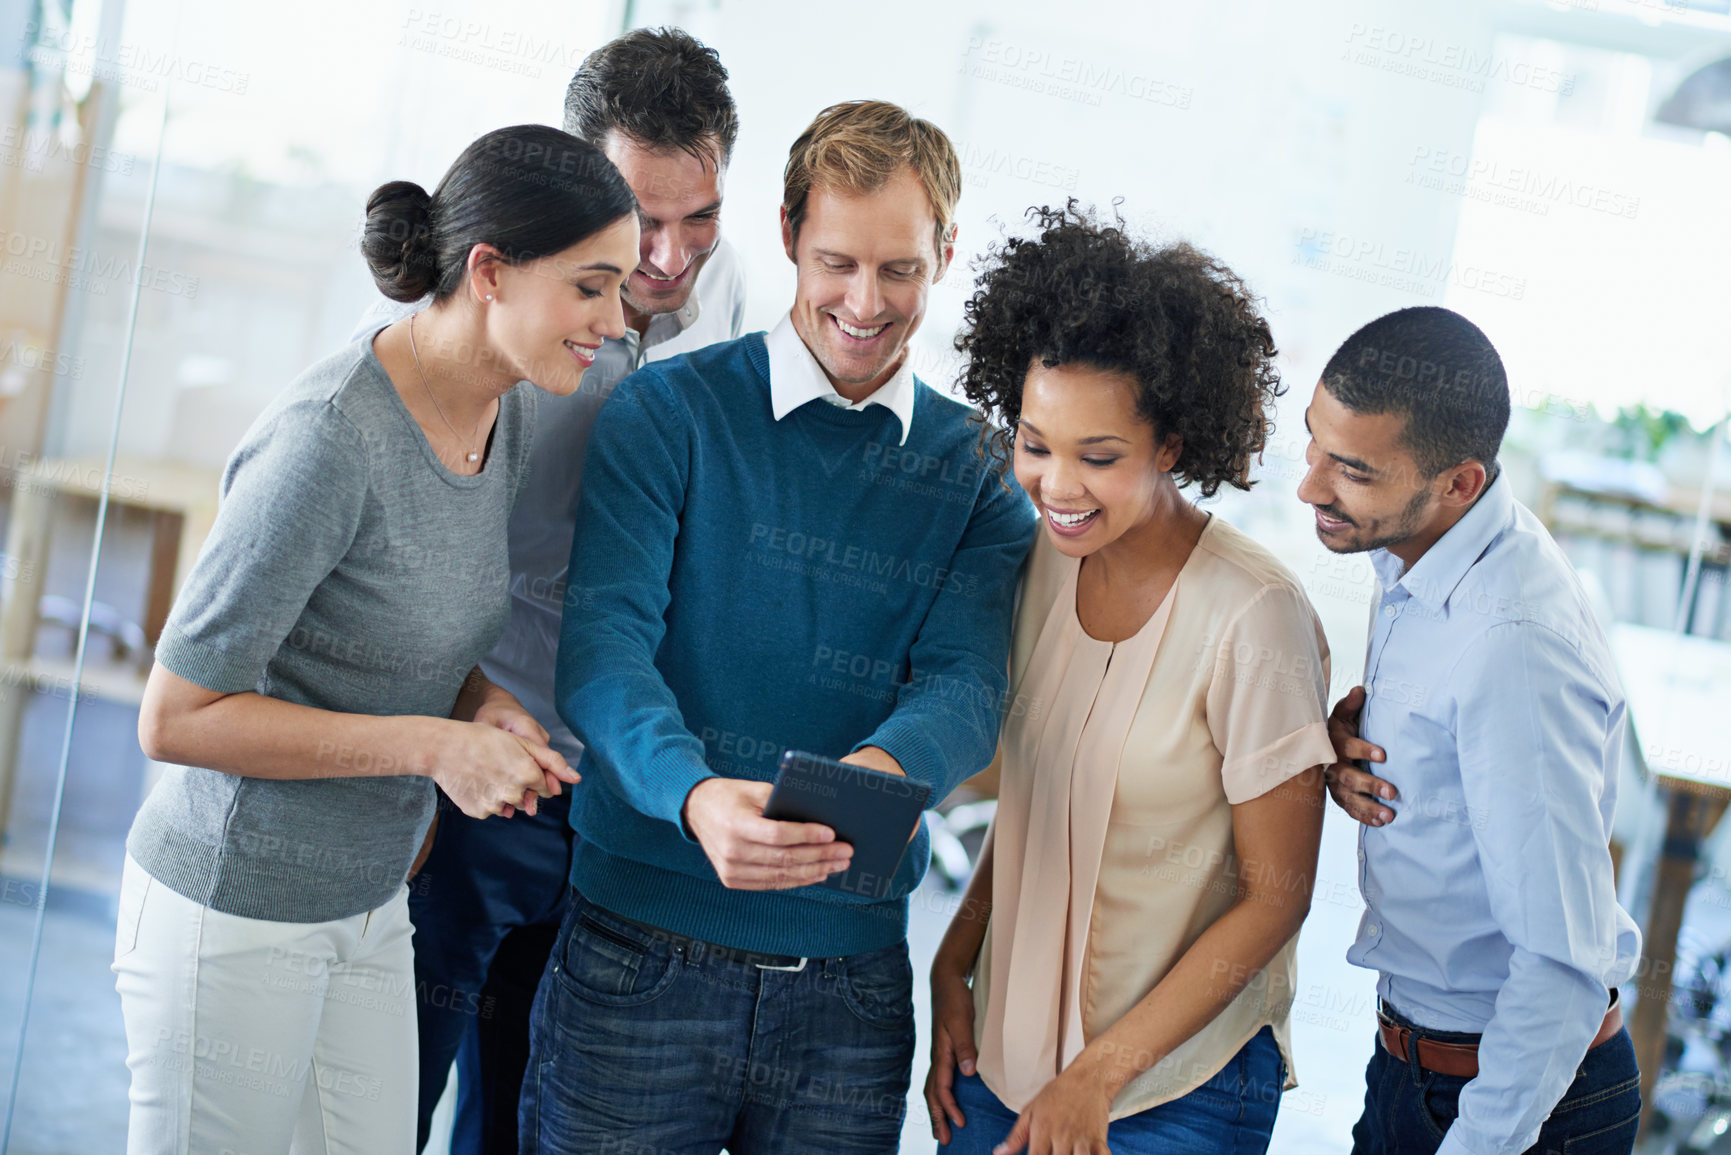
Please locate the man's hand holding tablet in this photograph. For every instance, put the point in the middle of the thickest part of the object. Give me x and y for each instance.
(864, 806)
(751, 852)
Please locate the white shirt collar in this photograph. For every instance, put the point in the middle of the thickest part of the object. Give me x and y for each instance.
(662, 327)
(795, 378)
(679, 320)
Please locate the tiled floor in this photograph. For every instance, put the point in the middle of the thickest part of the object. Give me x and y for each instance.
(72, 1091)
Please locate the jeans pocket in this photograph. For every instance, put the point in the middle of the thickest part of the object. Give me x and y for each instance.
(1603, 1108)
(878, 987)
(603, 960)
(1439, 1101)
(1610, 1140)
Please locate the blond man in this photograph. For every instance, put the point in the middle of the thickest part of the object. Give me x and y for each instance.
(786, 541)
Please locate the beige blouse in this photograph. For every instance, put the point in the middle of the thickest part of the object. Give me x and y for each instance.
(1113, 843)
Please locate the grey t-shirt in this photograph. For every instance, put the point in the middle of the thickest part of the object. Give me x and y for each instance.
(540, 530)
(348, 570)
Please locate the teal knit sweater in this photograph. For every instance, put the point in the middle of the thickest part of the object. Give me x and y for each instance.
(740, 586)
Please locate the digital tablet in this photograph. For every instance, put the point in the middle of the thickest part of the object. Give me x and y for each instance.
(873, 812)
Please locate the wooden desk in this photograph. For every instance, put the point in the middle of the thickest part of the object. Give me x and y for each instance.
(1680, 710)
(182, 500)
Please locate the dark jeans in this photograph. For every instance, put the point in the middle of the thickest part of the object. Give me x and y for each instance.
(1407, 1109)
(1231, 1114)
(639, 1045)
(494, 1052)
(485, 906)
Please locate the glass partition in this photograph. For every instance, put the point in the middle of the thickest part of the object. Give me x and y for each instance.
(181, 189)
(88, 552)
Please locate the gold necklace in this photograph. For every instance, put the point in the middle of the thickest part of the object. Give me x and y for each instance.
(474, 454)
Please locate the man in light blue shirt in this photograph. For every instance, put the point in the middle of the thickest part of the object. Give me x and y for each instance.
(1490, 699)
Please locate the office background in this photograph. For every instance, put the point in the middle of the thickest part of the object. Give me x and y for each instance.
(181, 190)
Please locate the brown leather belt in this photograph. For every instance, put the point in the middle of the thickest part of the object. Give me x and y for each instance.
(1462, 1059)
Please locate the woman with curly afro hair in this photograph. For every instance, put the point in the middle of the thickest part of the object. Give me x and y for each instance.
(1130, 928)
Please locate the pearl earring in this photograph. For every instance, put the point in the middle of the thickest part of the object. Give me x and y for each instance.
(489, 296)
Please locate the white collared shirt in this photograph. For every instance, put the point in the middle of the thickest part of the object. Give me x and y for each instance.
(795, 378)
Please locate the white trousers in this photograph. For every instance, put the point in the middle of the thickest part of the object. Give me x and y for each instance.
(251, 1037)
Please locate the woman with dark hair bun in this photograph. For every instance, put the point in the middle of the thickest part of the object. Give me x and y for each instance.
(1130, 928)
(318, 674)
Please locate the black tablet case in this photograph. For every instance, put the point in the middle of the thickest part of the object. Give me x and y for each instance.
(872, 811)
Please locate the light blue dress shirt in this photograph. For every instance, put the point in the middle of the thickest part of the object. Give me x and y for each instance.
(1489, 901)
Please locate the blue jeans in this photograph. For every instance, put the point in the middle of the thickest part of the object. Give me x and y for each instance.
(1232, 1113)
(1408, 1109)
(485, 906)
(639, 1045)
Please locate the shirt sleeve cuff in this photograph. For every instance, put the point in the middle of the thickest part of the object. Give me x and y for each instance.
(212, 667)
(698, 778)
(917, 755)
(685, 831)
(1254, 775)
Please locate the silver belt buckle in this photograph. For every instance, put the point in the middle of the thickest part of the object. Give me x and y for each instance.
(791, 970)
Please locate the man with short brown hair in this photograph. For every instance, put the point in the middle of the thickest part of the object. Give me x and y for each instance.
(786, 541)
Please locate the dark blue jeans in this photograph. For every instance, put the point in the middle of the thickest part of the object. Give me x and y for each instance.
(1231, 1114)
(639, 1046)
(1408, 1109)
(485, 905)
